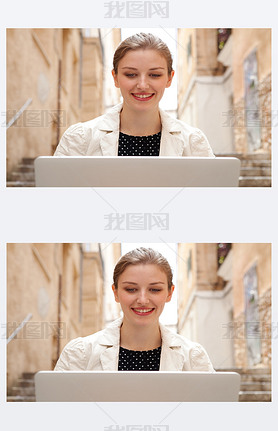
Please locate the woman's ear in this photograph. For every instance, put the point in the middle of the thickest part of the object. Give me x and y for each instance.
(115, 78)
(170, 78)
(170, 293)
(115, 291)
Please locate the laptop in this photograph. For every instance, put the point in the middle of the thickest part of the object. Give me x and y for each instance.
(137, 171)
(136, 386)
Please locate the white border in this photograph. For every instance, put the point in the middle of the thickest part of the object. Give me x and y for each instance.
(251, 216)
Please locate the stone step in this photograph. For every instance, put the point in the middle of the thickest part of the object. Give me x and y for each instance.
(20, 184)
(25, 168)
(259, 396)
(246, 371)
(26, 383)
(21, 176)
(256, 163)
(22, 391)
(255, 181)
(255, 172)
(255, 386)
(19, 398)
(248, 156)
(28, 375)
(28, 160)
(263, 378)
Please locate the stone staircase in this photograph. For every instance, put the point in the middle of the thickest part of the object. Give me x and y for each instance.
(23, 175)
(24, 389)
(255, 384)
(255, 169)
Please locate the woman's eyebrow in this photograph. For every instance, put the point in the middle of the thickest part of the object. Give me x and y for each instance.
(129, 282)
(152, 68)
(157, 282)
(135, 284)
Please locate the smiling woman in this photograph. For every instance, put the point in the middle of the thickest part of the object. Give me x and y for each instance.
(142, 70)
(137, 341)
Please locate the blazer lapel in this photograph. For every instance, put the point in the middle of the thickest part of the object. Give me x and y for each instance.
(172, 143)
(109, 127)
(110, 341)
(109, 358)
(171, 358)
(109, 143)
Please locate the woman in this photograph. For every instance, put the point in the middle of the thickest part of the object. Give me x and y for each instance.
(142, 285)
(142, 70)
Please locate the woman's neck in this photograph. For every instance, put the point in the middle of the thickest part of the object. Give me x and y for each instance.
(140, 123)
(140, 338)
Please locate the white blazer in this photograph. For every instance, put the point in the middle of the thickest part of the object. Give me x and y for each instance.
(99, 137)
(100, 351)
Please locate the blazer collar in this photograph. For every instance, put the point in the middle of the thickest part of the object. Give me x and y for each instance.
(171, 138)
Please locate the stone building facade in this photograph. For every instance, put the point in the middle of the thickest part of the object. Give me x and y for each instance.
(251, 265)
(55, 78)
(225, 89)
(225, 301)
(55, 292)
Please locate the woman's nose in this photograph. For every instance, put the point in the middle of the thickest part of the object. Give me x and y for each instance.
(142, 298)
(142, 82)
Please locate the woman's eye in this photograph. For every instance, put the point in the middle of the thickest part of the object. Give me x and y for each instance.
(155, 290)
(155, 75)
(130, 289)
(130, 75)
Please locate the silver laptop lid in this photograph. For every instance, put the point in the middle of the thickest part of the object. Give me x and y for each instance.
(136, 386)
(137, 172)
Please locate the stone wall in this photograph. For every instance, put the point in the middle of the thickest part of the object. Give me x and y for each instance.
(238, 123)
(266, 113)
(266, 332)
(237, 120)
(238, 333)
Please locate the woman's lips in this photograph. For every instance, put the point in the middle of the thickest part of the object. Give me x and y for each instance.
(143, 311)
(143, 97)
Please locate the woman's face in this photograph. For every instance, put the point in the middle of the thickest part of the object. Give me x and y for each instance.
(142, 292)
(142, 78)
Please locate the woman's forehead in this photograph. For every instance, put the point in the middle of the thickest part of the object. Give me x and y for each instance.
(144, 269)
(149, 57)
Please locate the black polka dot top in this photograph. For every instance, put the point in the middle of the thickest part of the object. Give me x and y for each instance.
(139, 145)
(135, 360)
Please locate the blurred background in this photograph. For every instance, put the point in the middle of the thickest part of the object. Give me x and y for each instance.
(60, 291)
(58, 77)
